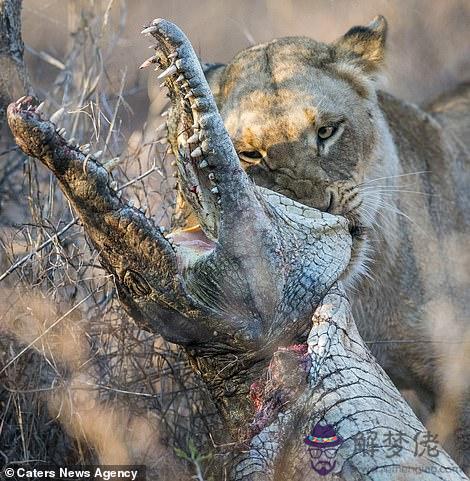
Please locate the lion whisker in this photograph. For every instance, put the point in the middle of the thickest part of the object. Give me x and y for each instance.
(390, 191)
(394, 176)
(393, 209)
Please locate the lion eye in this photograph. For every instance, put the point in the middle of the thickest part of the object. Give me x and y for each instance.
(250, 155)
(326, 132)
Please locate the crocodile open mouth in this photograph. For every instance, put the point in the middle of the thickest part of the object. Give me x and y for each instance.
(211, 178)
(259, 259)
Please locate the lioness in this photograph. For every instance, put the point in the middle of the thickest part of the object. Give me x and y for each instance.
(308, 121)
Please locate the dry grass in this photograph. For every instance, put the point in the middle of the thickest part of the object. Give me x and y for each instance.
(80, 383)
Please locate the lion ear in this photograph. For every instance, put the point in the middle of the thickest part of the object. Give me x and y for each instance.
(365, 44)
(213, 73)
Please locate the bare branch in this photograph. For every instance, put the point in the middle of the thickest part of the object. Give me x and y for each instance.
(14, 80)
(29, 256)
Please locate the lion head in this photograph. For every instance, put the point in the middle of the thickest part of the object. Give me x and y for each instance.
(305, 121)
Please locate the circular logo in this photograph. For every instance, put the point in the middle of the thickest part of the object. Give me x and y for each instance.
(9, 472)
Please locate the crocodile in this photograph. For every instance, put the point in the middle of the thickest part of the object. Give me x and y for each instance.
(254, 295)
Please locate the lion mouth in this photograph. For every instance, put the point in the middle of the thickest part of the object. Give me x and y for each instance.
(357, 267)
(357, 231)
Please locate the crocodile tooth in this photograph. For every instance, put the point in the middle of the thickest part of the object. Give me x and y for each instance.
(162, 85)
(197, 152)
(96, 155)
(211, 176)
(215, 190)
(40, 107)
(21, 99)
(203, 164)
(148, 62)
(180, 78)
(193, 139)
(179, 64)
(113, 185)
(205, 146)
(119, 194)
(173, 55)
(62, 132)
(188, 96)
(56, 116)
(151, 29)
(169, 71)
(162, 229)
(165, 113)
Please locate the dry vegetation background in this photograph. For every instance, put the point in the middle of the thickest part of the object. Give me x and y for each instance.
(78, 381)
